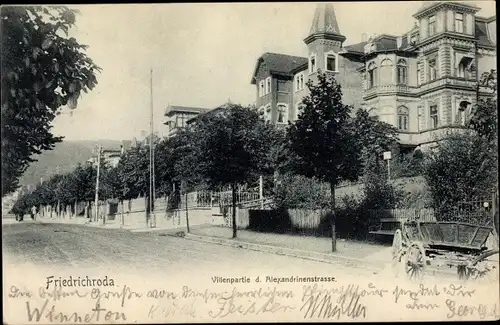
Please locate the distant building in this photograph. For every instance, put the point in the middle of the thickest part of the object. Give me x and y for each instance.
(193, 120)
(176, 117)
(111, 156)
(423, 81)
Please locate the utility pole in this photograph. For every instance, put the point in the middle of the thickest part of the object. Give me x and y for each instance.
(151, 156)
(261, 192)
(99, 149)
(58, 171)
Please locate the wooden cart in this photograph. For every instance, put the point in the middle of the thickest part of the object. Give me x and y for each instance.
(419, 244)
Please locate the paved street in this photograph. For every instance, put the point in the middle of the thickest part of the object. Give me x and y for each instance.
(80, 246)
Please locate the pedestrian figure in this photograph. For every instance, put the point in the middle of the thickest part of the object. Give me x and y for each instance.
(33, 212)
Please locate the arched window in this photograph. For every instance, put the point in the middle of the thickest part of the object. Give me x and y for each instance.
(402, 72)
(403, 118)
(282, 113)
(433, 115)
(372, 75)
(386, 67)
(463, 68)
(462, 112)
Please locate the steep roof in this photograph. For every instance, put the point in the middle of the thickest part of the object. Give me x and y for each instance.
(356, 48)
(482, 32)
(279, 64)
(216, 110)
(428, 6)
(324, 20)
(171, 109)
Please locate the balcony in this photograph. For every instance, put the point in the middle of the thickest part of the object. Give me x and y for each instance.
(381, 90)
(448, 81)
(427, 136)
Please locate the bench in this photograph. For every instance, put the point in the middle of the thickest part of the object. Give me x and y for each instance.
(387, 227)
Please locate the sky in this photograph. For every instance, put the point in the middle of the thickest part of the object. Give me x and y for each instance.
(201, 55)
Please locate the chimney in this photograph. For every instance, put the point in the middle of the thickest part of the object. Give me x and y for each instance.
(122, 149)
(364, 37)
(399, 42)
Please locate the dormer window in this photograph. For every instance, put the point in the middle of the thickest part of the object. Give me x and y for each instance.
(331, 60)
(459, 22)
(370, 47)
(312, 64)
(261, 88)
(413, 39)
(432, 25)
(268, 85)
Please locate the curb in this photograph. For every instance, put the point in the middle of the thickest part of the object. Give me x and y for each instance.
(376, 266)
(297, 253)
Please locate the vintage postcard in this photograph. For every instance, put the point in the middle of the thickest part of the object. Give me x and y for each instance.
(250, 162)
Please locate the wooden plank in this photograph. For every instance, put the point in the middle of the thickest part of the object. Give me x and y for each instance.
(453, 245)
(383, 232)
(390, 220)
(474, 236)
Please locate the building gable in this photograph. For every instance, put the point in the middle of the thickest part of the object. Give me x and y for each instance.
(279, 64)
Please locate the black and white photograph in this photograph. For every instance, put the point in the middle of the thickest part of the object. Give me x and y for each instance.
(249, 162)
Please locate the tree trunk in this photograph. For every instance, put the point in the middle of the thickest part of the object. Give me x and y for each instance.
(332, 220)
(146, 201)
(187, 217)
(233, 190)
(122, 221)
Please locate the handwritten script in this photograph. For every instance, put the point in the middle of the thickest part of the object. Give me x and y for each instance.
(332, 301)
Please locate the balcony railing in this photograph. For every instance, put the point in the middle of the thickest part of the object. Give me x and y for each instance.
(405, 89)
(426, 136)
(448, 81)
(389, 89)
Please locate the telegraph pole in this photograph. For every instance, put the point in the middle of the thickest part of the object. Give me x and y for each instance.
(99, 149)
(151, 155)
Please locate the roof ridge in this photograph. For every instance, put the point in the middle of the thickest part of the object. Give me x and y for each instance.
(275, 53)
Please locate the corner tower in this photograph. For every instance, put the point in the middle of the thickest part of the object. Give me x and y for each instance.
(324, 41)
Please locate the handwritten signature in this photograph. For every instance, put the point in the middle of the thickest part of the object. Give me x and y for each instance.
(45, 313)
(229, 306)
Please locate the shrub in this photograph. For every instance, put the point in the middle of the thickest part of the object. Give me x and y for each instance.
(296, 192)
(410, 165)
(462, 168)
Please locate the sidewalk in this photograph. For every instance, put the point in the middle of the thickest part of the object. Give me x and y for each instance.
(323, 245)
(374, 257)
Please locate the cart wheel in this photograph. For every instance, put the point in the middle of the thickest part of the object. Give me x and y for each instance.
(485, 266)
(464, 272)
(415, 261)
(397, 248)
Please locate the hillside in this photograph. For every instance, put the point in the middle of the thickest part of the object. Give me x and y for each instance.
(66, 155)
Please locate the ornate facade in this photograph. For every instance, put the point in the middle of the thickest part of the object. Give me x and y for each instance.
(424, 82)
